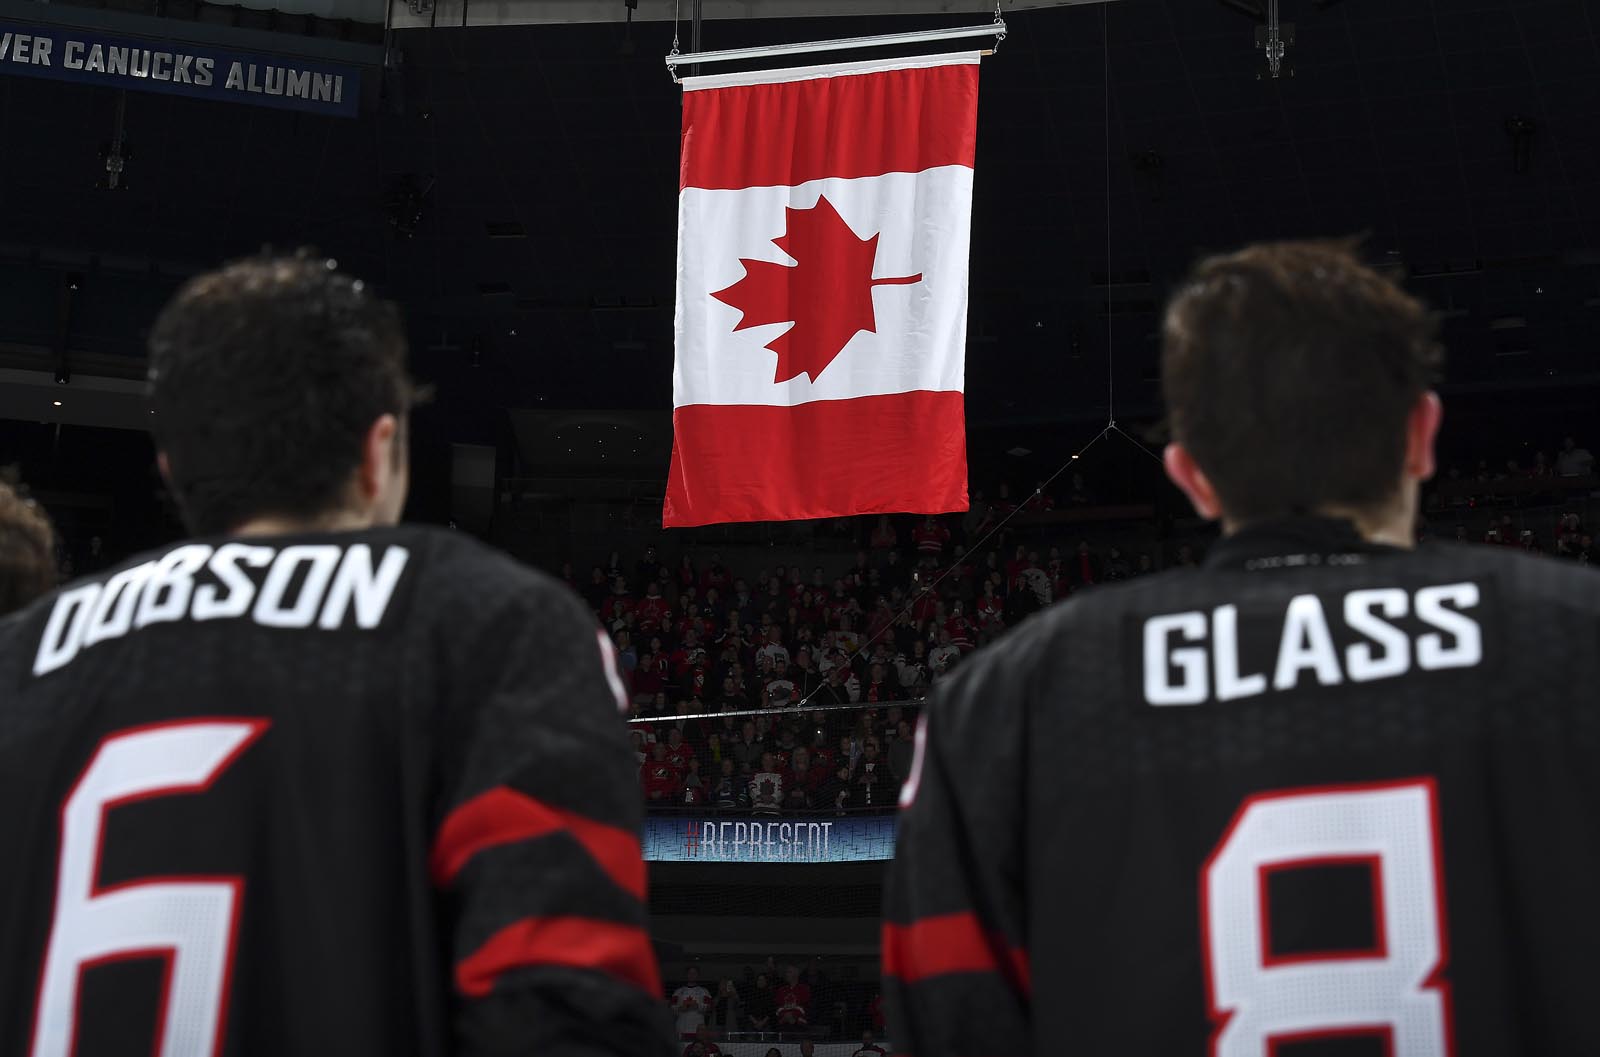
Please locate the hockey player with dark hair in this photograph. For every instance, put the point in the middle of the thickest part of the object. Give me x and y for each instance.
(1329, 793)
(313, 782)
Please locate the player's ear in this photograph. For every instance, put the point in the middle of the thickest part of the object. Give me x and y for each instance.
(377, 457)
(1422, 429)
(165, 466)
(1192, 481)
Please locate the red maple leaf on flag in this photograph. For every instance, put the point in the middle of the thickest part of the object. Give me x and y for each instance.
(827, 294)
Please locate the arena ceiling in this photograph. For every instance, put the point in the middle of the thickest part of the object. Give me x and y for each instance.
(418, 13)
(516, 191)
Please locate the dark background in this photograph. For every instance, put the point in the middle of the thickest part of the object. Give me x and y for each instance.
(1396, 126)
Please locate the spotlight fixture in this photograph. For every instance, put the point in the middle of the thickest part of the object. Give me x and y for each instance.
(1272, 35)
(1274, 38)
(114, 153)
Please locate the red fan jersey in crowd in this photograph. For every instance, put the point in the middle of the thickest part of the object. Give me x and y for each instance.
(679, 755)
(961, 632)
(930, 539)
(651, 612)
(661, 780)
(793, 1001)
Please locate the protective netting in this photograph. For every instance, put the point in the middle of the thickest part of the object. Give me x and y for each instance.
(834, 766)
(768, 832)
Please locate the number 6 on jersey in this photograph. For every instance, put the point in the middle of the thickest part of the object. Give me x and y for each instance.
(1260, 1001)
(188, 921)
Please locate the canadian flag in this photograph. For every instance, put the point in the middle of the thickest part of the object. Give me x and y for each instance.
(823, 228)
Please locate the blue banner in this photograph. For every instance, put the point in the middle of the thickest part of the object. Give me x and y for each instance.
(198, 71)
(692, 838)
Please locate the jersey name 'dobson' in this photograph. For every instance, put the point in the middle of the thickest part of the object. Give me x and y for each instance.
(331, 581)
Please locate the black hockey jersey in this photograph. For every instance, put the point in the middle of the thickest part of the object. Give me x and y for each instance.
(359, 794)
(1317, 798)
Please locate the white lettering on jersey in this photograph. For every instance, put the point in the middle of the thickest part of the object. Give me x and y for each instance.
(1467, 650)
(113, 610)
(270, 610)
(1194, 657)
(357, 583)
(1359, 659)
(1225, 636)
(1306, 643)
(336, 581)
(241, 589)
(1160, 660)
(173, 575)
(63, 633)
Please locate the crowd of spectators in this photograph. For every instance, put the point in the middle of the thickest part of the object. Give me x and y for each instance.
(1572, 539)
(1512, 486)
(1535, 478)
(699, 639)
(774, 999)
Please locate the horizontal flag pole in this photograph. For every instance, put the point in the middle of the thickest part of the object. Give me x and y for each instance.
(996, 29)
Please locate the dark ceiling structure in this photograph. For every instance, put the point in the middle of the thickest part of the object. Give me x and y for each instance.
(514, 187)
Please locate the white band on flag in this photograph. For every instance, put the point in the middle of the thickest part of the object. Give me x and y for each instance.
(834, 69)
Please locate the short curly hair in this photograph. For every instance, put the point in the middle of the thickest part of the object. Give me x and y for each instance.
(1289, 370)
(265, 377)
(27, 551)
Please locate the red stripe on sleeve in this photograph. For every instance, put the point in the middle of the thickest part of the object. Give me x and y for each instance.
(505, 816)
(620, 951)
(846, 127)
(951, 943)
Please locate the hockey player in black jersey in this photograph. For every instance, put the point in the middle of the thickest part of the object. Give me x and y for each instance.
(310, 782)
(1329, 795)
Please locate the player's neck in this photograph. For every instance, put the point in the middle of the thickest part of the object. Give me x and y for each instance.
(1390, 527)
(337, 521)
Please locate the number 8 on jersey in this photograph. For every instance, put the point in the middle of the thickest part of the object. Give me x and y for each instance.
(1260, 1001)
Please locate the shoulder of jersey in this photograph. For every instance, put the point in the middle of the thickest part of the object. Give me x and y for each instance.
(1042, 631)
(1101, 601)
(1529, 576)
(458, 564)
(10, 635)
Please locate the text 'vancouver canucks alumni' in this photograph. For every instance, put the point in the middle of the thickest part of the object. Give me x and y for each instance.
(294, 586)
(1195, 657)
(194, 69)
